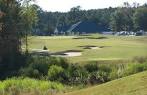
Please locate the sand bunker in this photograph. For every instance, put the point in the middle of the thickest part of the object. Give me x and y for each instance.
(90, 47)
(68, 53)
(94, 48)
(39, 50)
(72, 54)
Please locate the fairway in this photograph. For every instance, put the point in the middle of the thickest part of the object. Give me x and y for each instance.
(113, 47)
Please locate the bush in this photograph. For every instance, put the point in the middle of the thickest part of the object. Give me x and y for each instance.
(38, 66)
(91, 67)
(58, 61)
(98, 77)
(30, 72)
(55, 73)
(44, 48)
(135, 68)
(58, 69)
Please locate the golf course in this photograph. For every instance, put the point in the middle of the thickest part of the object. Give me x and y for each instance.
(69, 47)
(94, 47)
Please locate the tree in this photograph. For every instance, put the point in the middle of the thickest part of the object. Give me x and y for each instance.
(140, 18)
(121, 19)
(29, 18)
(10, 46)
(75, 14)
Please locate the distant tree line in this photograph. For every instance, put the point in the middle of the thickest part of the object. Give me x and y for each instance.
(125, 18)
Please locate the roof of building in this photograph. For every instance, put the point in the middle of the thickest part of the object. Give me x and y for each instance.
(83, 26)
(89, 26)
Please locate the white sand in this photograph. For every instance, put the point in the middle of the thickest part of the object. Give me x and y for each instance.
(69, 54)
(39, 50)
(72, 54)
(95, 48)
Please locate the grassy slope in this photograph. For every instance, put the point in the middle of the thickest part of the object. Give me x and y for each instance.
(131, 85)
(120, 47)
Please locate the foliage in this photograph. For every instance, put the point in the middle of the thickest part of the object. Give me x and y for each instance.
(29, 18)
(29, 15)
(55, 69)
(9, 37)
(117, 19)
(55, 73)
(19, 86)
(140, 18)
(91, 67)
(121, 19)
(44, 68)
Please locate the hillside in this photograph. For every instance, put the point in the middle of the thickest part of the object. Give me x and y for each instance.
(131, 85)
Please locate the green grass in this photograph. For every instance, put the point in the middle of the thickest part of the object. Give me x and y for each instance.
(131, 85)
(25, 86)
(121, 47)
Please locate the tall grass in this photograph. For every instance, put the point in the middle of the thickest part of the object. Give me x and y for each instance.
(20, 86)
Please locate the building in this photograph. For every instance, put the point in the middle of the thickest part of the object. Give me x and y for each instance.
(82, 27)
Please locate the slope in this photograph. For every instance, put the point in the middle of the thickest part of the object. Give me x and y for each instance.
(131, 85)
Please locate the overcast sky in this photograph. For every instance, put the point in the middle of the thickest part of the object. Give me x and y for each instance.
(65, 5)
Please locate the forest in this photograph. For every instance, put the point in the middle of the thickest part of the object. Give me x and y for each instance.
(125, 18)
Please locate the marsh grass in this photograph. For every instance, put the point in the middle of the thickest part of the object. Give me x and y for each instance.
(20, 86)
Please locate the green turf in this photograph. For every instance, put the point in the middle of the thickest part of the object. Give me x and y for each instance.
(131, 85)
(120, 47)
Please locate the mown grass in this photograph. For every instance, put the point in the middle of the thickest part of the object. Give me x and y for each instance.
(117, 47)
(131, 85)
(27, 86)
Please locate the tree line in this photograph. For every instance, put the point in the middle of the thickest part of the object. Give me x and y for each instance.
(125, 18)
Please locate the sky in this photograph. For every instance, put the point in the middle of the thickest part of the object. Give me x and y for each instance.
(65, 5)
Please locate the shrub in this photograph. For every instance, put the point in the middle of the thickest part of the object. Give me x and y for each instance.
(58, 61)
(44, 48)
(91, 67)
(98, 77)
(58, 69)
(55, 73)
(135, 68)
(38, 66)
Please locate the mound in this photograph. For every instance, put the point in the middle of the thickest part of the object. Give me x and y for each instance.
(131, 85)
